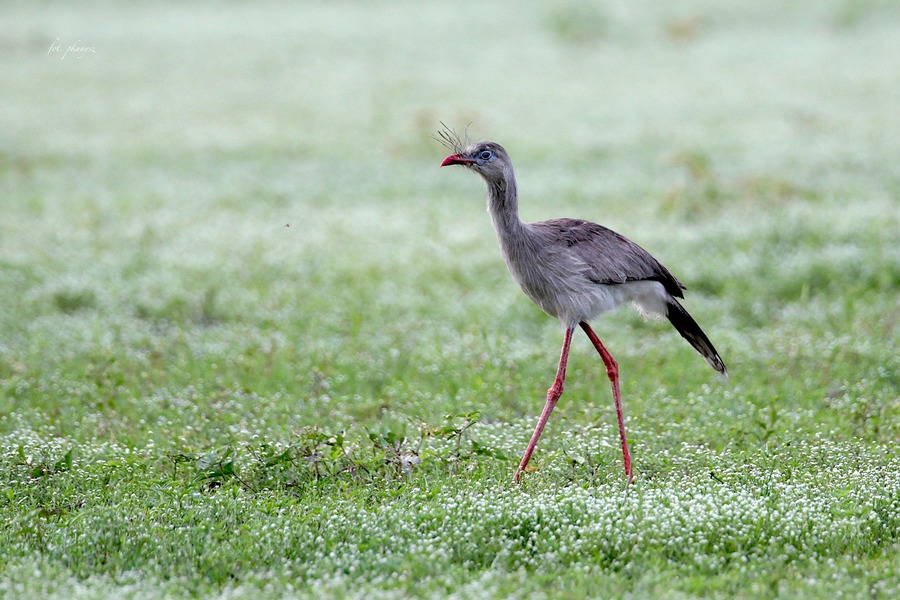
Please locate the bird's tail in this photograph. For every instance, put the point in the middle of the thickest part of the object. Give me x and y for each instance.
(689, 330)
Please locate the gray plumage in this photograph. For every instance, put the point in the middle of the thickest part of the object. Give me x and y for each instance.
(573, 269)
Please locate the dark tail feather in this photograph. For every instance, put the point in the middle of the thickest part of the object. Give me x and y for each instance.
(689, 330)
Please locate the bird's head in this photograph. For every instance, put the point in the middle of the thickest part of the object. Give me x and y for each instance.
(488, 159)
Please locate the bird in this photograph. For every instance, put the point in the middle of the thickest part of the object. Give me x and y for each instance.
(574, 270)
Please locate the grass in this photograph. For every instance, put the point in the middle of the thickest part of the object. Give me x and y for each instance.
(254, 343)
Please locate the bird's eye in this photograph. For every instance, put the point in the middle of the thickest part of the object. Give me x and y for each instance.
(485, 155)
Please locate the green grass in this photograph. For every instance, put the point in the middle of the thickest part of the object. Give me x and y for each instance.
(254, 343)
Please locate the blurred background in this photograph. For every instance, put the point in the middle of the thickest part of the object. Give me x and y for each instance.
(253, 340)
(247, 198)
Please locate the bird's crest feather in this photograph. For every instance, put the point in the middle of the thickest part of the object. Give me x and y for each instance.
(450, 139)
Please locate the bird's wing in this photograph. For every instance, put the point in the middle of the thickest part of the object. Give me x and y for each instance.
(610, 257)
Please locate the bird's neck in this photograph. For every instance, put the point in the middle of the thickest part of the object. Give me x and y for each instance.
(503, 205)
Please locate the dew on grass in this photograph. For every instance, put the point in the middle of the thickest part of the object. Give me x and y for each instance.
(164, 335)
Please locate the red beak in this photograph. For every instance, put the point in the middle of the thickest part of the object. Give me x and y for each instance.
(456, 159)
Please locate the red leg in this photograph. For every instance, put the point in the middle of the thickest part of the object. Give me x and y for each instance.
(553, 395)
(612, 371)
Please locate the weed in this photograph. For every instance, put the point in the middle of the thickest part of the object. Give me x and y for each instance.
(254, 343)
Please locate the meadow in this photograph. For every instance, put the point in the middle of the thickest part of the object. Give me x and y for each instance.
(254, 343)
